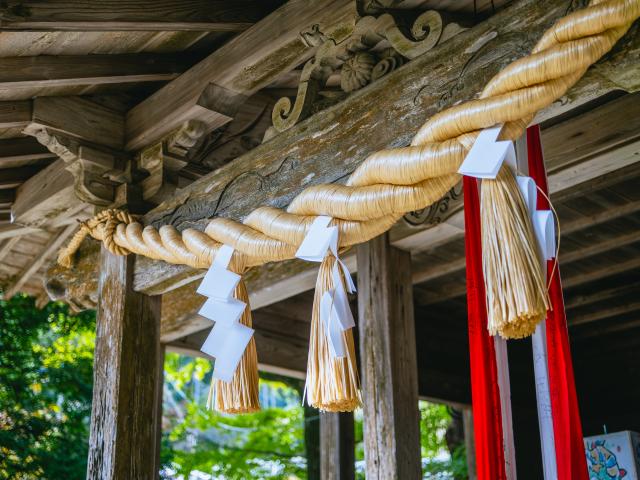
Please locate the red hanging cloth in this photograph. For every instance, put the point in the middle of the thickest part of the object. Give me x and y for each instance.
(567, 429)
(487, 417)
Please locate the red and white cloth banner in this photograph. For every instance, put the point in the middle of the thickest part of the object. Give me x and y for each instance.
(567, 429)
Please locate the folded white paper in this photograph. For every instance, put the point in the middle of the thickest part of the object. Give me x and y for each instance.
(228, 338)
(319, 239)
(527, 187)
(227, 343)
(335, 312)
(222, 311)
(488, 154)
(545, 232)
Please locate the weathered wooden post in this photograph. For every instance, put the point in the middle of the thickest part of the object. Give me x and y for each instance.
(127, 375)
(337, 449)
(388, 362)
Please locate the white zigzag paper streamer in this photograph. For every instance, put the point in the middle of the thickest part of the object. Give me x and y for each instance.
(335, 312)
(228, 338)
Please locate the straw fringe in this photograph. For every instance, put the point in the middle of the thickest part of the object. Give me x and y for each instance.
(241, 394)
(332, 383)
(515, 284)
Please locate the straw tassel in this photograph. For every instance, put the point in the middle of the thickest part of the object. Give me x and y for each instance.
(517, 298)
(332, 382)
(240, 395)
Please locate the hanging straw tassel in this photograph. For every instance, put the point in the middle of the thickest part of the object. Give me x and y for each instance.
(517, 297)
(241, 394)
(332, 382)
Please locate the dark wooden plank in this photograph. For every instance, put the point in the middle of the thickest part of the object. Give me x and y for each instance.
(18, 151)
(7, 197)
(247, 63)
(141, 15)
(15, 114)
(80, 118)
(63, 71)
(126, 377)
(14, 177)
(337, 449)
(388, 361)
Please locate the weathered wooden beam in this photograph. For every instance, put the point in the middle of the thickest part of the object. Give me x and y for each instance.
(576, 301)
(22, 150)
(604, 313)
(11, 231)
(14, 177)
(63, 70)
(119, 15)
(7, 246)
(325, 148)
(337, 448)
(388, 361)
(15, 114)
(247, 63)
(124, 410)
(80, 118)
(48, 195)
(48, 251)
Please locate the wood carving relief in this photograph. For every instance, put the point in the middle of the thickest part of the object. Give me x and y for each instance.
(96, 172)
(377, 46)
(439, 211)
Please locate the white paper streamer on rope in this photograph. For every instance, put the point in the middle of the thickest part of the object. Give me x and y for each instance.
(488, 154)
(543, 226)
(335, 312)
(228, 338)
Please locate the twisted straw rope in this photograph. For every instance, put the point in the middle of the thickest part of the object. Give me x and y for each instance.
(394, 181)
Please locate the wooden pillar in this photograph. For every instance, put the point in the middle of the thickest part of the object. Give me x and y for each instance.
(312, 441)
(123, 438)
(388, 362)
(469, 442)
(337, 448)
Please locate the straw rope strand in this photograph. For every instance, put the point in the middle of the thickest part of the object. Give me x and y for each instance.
(394, 181)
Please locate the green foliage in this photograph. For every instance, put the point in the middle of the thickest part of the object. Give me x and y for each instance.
(268, 444)
(46, 362)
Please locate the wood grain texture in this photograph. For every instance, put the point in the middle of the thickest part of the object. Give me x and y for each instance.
(15, 114)
(73, 70)
(327, 147)
(16, 152)
(337, 448)
(46, 196)
(126, 377)
(123, 15)
(244, 65)
(388, 362)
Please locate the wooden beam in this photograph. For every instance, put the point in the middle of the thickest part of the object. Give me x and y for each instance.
(19, 151)
(576, 301)
(7, 246)
(48, 251)
(14, 177)
(80, 118)
(125, 15)
(602, 314)
(123, 433)
(246, 64)
(388, 361)
(48, 195)
(617, 241)
(15, 114)
(324, 149)
(337, 448)
(11, 231)
(65, 71)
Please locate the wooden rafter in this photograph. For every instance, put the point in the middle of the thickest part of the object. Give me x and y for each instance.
(48, 251)
(14, 177)
(247, 63)
(22, 150)
(15, 114)
(119, 15)
(64, 71)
